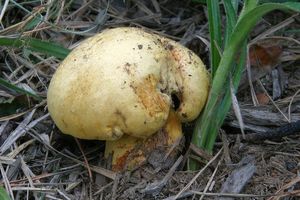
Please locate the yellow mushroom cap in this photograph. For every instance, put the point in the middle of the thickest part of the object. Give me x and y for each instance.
(121, 81)
(187, 78)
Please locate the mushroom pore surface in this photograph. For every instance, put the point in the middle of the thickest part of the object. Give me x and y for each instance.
(121, 81)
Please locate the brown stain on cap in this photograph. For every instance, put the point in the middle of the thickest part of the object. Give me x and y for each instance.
(152, 100)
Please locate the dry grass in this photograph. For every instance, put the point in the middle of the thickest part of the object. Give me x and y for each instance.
(38, 162)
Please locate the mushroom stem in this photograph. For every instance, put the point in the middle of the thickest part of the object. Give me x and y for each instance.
(130, 152)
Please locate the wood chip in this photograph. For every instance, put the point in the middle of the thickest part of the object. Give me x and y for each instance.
(237, 180)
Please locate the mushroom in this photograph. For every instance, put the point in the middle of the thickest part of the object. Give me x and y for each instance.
(128, 87)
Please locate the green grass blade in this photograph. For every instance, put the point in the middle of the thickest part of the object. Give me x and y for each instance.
(36, 45)
(248, 6)
(240, 33)
(3, 194)
(295, 6)
(14, 105)
(225, 105)
(215, 34)
(31, 24)
(235, 4)
(17, 89)
(207, 127)
(199, 1)
(231, 18)
(277, 1)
